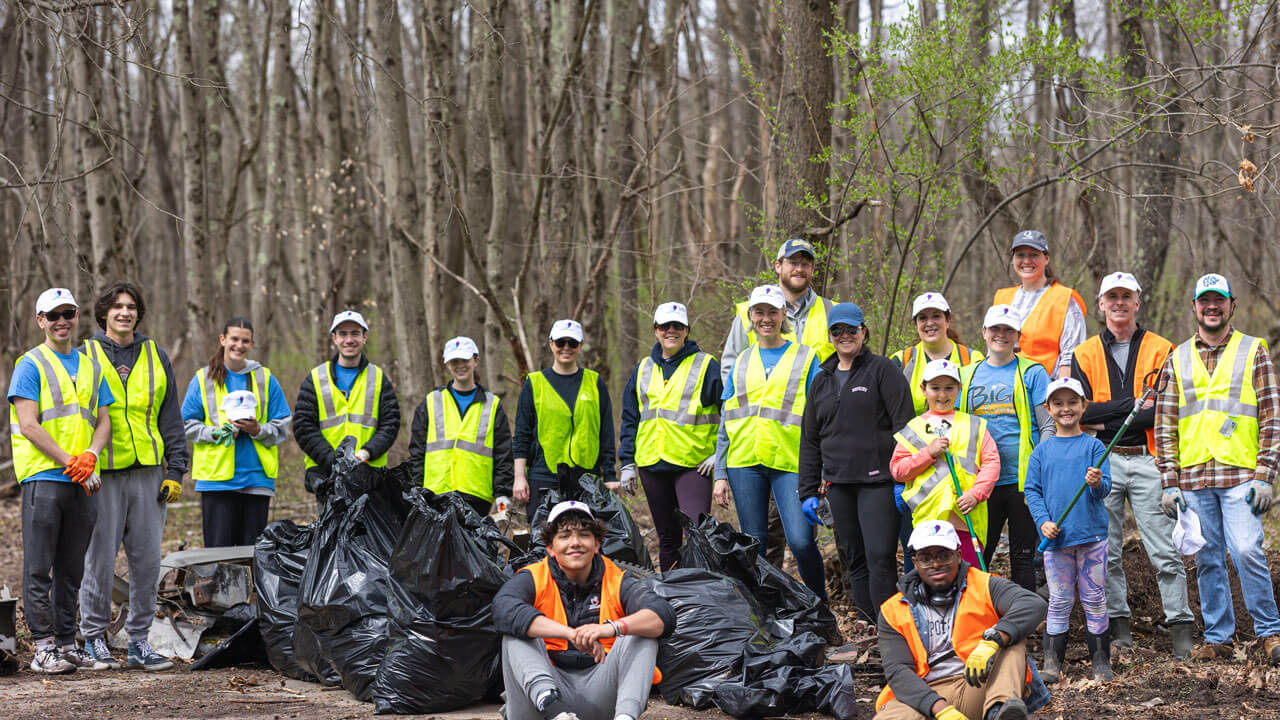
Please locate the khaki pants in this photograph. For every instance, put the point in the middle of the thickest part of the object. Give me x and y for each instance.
(1008, 680)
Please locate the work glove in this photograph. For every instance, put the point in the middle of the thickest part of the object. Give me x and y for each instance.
(1260, 496)
(708, 466)
(627, 478)
(950, 713)
(978, 666)
(362, 455)
(81, 466)
(170, 491)
(1172, 501)
(225, 434)
(810, 508)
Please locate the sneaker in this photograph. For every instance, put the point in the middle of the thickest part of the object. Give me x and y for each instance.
(50, 662)
(77, 656)
(1271, 647)
(101, 654)
(1213, 651)
(142, 656)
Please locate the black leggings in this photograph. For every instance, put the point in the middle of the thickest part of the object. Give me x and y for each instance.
(867, 531)
(685, 489)
(1007, 504)
(233, 518)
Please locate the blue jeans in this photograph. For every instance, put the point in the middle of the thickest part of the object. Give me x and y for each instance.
(1229, 525)
(751, 487)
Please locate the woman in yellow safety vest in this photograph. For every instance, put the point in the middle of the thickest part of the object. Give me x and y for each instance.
(670, 412)
(461, 441)
(236, 416)
(1052, 313)
(758, 446)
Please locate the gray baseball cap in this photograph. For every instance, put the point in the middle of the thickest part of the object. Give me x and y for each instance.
(1033, 239)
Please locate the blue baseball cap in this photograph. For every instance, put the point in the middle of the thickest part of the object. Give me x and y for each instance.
(845, 314)
(796, 245)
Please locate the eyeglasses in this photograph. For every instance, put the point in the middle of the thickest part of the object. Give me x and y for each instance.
(566, 343)
(933, 559)
(669, 326)
(55, 316)
(842, 330)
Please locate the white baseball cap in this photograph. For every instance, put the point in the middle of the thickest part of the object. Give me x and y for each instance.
(54, 298)
(671, 312)
(941, 368)
(568, 506)
(934, 534)
(929, 300)
(1064, 383)
(767, 295)
(460, 348)
(347, 316)
(1119, 280)
(1213, 282)
(566, 329)
(240, 405)
(1002, 315)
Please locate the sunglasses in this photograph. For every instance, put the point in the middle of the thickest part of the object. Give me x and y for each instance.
(566, 343)
(668, 326)
(55, 316)
(842, 330)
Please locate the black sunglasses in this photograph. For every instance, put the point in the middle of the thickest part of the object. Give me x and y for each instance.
(55, 316)
(566, 343)
(842, 330)
(667, 326)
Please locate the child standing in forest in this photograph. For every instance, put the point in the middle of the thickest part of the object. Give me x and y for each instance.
(1077, 554)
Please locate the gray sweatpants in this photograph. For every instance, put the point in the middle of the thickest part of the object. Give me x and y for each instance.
(57, 520)
(128, 512)
(618, 685)
(1135, 477)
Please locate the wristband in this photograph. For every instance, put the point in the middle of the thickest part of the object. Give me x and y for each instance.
(625, 631)
(614, 625)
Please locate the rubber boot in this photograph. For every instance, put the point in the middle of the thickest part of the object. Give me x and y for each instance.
(1184, 639)
(1055, 652)
(1121, 633)
(1100, 655)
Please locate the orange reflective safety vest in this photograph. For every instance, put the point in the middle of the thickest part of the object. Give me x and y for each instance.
(973, 617)
(1042, 329)
(1091, 355)
(547, 599)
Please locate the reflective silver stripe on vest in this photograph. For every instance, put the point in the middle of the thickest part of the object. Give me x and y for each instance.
(968, 461)
(930, 484)
(370, 387)
(785, 414)
(325, 391)
(260, 383)
(334, 419)
(909, 370)
(149, 347)
(60, 407)
(1232, 405)
(683, 414)
(744, 408)
(210, 399)
(15, 430)
(91, 349)
(482, 430)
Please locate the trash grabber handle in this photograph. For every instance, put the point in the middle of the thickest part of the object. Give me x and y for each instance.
(973, 537)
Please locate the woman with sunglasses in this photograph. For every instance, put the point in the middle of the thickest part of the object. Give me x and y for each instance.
(856, 403)
(236, 416)
(758, 445)
(670, 412)
(564, 422)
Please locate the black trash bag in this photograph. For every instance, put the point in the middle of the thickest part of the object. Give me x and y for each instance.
(279, 557)
(787, 678)
(244, 647)
(715, 617)
(622, 541)
(793, 607)
(444, 652)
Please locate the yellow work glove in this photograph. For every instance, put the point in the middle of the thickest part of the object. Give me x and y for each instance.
(170, 491)
(950, 713)
(978, 666)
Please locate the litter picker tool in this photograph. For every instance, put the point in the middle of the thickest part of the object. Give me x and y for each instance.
(943, 429)
(1153, 387)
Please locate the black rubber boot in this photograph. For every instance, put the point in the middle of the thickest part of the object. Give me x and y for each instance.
(1055, 651)
(1184, 639)
(1100, 655)
(1011, 709)
(1121, 633)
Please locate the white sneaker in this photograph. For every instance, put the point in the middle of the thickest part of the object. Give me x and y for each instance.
(76, 655)
(50, 662)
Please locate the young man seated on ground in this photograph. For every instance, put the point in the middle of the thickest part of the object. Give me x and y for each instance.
(580, 635)
(953, 641)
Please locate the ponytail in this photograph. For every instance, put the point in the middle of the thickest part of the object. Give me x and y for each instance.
(217, 370)
(953, 336)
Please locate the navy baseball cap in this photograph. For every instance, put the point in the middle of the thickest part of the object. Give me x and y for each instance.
(796, 245)
(1033, 239)
(845, 314)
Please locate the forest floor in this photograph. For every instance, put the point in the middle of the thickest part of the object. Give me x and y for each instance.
(1149, 684)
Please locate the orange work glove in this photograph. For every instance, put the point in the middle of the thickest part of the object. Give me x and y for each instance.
(81, 467)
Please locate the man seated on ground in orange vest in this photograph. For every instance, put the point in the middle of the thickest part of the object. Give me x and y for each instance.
(580, 635)
(953, 641)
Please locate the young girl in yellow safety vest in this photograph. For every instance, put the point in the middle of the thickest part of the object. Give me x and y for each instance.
(919, 461)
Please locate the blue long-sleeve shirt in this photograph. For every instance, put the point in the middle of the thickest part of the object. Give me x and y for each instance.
(249, 474)
(711, 390)
(1054, 473)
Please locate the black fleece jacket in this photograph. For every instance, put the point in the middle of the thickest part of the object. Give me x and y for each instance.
(504, 472)
(846, 435)
(306, 421)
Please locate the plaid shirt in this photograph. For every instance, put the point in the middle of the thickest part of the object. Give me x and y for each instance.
(1213, 474)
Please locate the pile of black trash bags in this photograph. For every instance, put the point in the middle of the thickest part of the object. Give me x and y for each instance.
(388, 594)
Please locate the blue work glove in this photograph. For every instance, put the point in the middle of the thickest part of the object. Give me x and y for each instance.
(810, 508)
(1171, 501)
(1259, 497)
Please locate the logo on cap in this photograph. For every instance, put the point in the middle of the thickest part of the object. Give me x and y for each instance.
(1210, 280)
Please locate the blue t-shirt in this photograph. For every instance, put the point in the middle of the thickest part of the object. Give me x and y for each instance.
(464, 399)
(770, 357)
(1054, 474)
(345, 377)
(991, 398)
(249, 471)
(25, 383)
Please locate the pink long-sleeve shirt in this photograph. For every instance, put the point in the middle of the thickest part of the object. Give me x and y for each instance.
(907, 466)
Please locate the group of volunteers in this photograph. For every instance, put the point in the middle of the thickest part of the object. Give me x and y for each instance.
(1041, 434)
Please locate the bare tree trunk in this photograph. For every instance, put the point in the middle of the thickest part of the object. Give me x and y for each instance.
(276, 215)
(195, 238)
(500, 179)
(804, 121)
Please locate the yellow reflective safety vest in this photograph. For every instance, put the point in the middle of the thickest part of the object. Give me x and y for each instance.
(215, 463)
(675, 426)
(1218, 413)
(135, 415)
(354, 413)
(932, 494)
(1021, 407)
(913, 359)
(570, 437)
(815, 327)
(67, 410)
(763, 416)
(459, 449)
